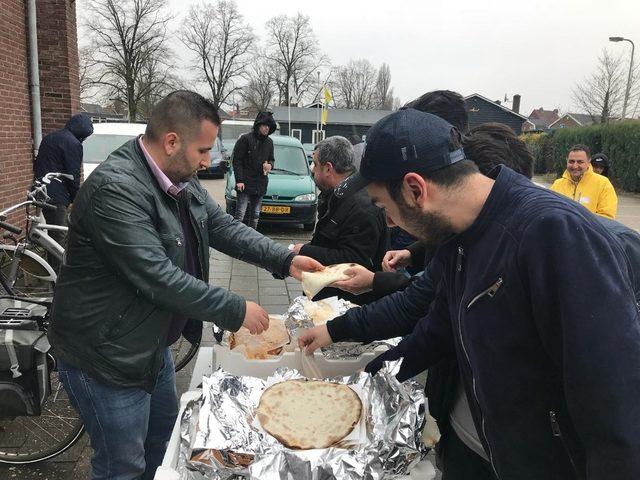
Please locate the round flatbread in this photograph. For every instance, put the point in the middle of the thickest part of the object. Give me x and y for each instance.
(309, 414)
(313, 282)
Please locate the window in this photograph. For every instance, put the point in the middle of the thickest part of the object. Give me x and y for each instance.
(289, 160)
(296, 133)
(317, 135)
(100, 145)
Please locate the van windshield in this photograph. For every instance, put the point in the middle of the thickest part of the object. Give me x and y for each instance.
(290, 160)
(98, 146)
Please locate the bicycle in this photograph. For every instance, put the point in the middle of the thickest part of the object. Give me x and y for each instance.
(25, 270)
(33, 439)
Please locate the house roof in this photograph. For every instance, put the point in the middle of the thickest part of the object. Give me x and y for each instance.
(543, 118)
(97, 109)
(581, 119)
(342, 116)
(496, 104)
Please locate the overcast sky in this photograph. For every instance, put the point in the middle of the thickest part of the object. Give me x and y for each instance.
(537, 48)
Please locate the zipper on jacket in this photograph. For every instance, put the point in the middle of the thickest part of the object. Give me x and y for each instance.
(557, 434)
(490, 292)
(459, 259)
(196, 231)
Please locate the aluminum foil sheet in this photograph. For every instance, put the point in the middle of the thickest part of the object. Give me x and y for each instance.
(222, 421)
(297, 318)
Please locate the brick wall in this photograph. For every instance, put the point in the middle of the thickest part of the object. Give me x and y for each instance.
(58, 58)
(15, 116)
(59, 86)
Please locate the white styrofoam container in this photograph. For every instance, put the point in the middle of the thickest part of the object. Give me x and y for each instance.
(231, 361)
(237, 364)
(167, 471)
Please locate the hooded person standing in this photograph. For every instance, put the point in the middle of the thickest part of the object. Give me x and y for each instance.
(252, 161)
(61, 152)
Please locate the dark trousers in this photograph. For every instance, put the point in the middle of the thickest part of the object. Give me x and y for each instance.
(57, 216)
(248, 209)
(459, 462)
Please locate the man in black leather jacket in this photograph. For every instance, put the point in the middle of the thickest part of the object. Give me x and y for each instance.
(136, 272)
(348, 229)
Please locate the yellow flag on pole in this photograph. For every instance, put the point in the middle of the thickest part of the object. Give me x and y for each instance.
(327, 96)
(325, 107)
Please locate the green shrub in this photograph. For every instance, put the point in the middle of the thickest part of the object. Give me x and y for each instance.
(621, 143)
(541, 147)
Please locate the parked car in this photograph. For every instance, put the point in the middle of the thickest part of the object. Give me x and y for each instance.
(291, 194)
(218, 154)
(106, 138)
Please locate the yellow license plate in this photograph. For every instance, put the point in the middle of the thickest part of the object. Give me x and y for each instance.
(275, 209)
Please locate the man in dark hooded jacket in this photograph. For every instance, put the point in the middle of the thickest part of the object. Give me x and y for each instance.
(252, 161)
(61, 152)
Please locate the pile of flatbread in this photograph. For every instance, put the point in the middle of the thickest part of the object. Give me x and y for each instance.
(227, 459)
(263, 345)
(313, 282)
(305, 414)
(320, 312)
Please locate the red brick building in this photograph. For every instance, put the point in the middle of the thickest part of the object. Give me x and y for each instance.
(59, 85)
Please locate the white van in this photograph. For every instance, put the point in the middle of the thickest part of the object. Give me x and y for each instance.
(230, 130)
(106, 138)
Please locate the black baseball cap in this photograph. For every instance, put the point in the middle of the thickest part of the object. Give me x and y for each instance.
(405, 141)
(600, 159)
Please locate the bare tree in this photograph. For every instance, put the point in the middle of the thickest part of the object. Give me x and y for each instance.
(259, 92)
(294, 56)
(155, 83)
(85, 62)
(384, 92)
(355, 85)
(127, 39)
(602, 93)
(221, 42)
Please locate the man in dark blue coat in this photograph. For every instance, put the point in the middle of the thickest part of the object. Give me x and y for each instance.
(549, 355)
(61, 152)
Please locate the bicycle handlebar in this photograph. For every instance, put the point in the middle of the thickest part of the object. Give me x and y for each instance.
(10, 228)
(55, 176)
(43, 205)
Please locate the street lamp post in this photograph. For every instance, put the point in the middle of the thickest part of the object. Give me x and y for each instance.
(626, 93)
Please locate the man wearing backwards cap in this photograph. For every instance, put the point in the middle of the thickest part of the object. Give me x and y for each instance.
(550, 360)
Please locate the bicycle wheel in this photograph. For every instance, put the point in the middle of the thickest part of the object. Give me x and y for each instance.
(33, 278)
(182, 352)
(26, 440)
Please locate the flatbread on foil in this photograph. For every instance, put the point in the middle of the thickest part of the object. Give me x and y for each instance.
(313, 282)
(320, 312)
(263, 345)
(309, 414)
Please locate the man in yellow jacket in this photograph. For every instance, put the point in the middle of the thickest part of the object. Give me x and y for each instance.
(580, 183)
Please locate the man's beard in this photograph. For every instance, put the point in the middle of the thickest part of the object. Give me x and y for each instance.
(180, 175)
(433, 229)
(321, 186)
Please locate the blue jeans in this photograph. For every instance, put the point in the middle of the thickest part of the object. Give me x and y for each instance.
(248, 209)
(129, 428)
